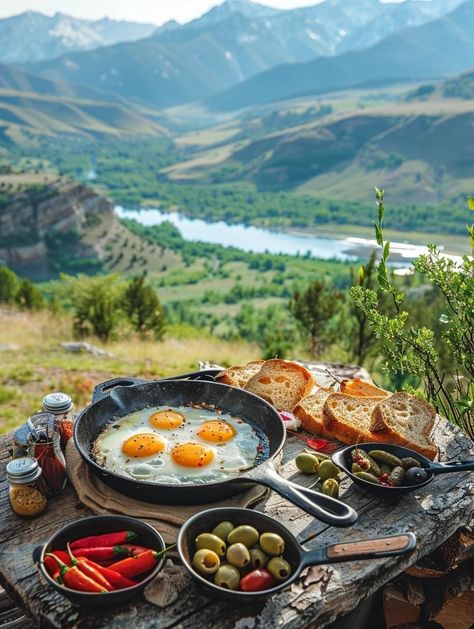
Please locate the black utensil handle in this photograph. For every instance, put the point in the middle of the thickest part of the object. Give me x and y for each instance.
(364, 549)
(452, 466)
(104, 388)
(324, 508)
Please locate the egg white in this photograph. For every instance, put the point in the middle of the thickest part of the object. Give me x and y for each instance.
(229, 459)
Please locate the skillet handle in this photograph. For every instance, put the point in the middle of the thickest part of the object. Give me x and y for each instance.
(452, 466)
(103, 389)
(324, 508)
(375, 548)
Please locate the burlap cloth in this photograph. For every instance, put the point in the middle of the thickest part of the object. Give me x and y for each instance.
(167, 519)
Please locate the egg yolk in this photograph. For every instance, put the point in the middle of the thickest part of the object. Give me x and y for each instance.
(192, 455)
(141, 445)
(216, 431)
(166, 420)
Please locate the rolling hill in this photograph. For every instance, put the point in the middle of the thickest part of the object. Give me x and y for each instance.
(230, 44)
(33, 106)
(421, 150)
(32, 36)
(433, 50)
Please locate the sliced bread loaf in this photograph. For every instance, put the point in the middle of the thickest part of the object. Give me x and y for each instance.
(282, 383)
(406, 420)
(239, 375)
(355, 386)
(310, 412)
(347, 418)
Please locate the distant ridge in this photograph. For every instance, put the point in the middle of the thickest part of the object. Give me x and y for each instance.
(433, 50)
(233, 42)
(33, 36)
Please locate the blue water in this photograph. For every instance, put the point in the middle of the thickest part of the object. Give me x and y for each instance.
(255, 239)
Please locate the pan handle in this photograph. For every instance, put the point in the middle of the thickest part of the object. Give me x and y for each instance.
(451, 466)
(375, 548)
(324, 508)
(103, 389)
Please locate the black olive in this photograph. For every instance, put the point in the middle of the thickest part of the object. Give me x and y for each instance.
(415, 476)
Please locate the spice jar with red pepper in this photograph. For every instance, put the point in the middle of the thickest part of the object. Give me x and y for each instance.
(44, 445)
(60, 405)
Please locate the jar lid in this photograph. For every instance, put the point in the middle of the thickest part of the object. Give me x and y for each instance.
(57, 402)
(23, 470)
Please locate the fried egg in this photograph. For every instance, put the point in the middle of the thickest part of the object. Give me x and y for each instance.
(177, 445)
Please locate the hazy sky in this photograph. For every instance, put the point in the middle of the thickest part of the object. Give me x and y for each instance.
(155, 11)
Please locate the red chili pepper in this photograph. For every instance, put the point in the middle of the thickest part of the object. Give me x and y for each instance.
(134, 549)
(132, 566)
(102, 553)
(87, 567)
(108, 539)
(257, 580)
(320, 445)
(115, 578)
(51, 565)
(75, 579)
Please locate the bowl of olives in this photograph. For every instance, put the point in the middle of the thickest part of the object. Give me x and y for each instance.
(390, 470)
(244, 555)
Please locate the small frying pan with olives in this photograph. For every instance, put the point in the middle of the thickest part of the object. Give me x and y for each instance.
(278, 553)
(416, 470)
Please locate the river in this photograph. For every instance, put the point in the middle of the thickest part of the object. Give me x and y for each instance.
(260, 240)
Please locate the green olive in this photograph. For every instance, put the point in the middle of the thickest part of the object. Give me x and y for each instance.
(238, 555)
(223, 529)
(206, 561)
(258, 558)
(331, 487)
(307, 463)
(246, 535)
(211, 542)
(327, 469)
(272, 544)
(279, 567)
(227, 577)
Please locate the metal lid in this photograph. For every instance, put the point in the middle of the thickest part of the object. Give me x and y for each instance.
(57, 403)
(23, 470)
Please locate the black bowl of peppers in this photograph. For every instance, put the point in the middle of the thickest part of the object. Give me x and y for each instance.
(101, 560)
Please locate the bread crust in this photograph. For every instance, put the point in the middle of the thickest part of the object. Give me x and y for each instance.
(231, 375)
(378, 423)
(278, 365)
(344, 431)
(314, 425)
(361, 388)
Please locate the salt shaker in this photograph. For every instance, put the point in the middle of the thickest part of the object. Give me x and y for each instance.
(60, 405)
(26, 491)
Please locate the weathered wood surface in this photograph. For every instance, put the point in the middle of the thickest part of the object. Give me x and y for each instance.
(317, 598)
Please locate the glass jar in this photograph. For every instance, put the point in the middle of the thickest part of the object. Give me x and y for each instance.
(26, 488)
(60, 405)
(44, 445)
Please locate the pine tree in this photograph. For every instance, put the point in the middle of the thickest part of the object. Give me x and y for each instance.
(143, 308)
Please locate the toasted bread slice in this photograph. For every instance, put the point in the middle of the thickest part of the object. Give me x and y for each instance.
(310, 412)
(406, 420)
(282, 383)
(239, 375)
(355, 386)
(347, 418)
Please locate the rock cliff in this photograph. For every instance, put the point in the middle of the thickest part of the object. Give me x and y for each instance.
(38, 223)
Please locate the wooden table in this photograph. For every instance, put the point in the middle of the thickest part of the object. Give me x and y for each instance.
(317, 598)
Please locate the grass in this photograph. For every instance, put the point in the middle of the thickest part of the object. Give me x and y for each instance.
(41, 365)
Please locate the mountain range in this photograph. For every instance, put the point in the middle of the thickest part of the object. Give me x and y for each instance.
(234, 42)
(32, 36)
(433, 50)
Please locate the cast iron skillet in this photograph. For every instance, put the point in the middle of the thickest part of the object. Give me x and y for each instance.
(342, 458)
(297, 556)
(129, 395)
